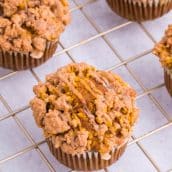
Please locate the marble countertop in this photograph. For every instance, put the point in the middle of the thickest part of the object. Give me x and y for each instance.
(93, 37)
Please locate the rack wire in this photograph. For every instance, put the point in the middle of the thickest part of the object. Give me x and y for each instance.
(35, 145)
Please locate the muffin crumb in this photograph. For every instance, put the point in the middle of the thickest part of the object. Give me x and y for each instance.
(26, 26)
(163, 49)
(86, 109)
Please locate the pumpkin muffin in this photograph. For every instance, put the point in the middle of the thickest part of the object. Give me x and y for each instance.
(30, 30)
(163, 50)
(87, 115)
(140, 10)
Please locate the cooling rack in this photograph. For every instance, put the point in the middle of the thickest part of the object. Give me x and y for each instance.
(99, 37)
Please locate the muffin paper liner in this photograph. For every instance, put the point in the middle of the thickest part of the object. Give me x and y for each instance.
(87, 161)
(21, 61)
(140, 11)
(168, 80)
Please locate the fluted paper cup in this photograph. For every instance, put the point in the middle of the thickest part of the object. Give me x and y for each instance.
(21, 61)
(168, 80)
(87, 161)
(140, 10)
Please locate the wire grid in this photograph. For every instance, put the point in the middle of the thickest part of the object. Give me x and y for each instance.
(35, 145)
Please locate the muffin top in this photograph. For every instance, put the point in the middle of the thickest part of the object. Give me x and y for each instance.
(26, 25)
(163, 49)
(84, 109)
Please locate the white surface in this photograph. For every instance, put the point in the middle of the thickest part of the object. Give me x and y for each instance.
(4, 72)
(133, 40)
(11, 138)
(150, 117)
(133, 161)
(96, 53)
(29, 162)
(52, 65)
(3, 111)
(159, 146)
(129, 41)
(154, 72)
(164, 99)
(99, 15)
(126, 76)
(158, 26)
(17, 89)
(28, 121)
(79, 29)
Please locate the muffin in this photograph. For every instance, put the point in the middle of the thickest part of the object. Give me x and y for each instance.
(140, 10)
(87, 115)
(163, 50)
(30, 30)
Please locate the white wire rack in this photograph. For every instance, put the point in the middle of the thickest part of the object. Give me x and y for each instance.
(122, 62)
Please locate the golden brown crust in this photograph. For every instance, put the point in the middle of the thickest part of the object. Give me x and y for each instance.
(163, 49)
(26, 25)
(86, 109)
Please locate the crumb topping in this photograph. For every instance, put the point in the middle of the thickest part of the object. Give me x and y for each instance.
(26, 25)
(163, 49)
(84, 109)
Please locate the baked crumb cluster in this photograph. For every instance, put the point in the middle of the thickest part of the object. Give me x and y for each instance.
(164, 49)
(26, 25)
(84, 109)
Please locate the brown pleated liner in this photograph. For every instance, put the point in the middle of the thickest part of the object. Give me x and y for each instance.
(168, 80)
(140, 11)
(88, 161)
(20, 61)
